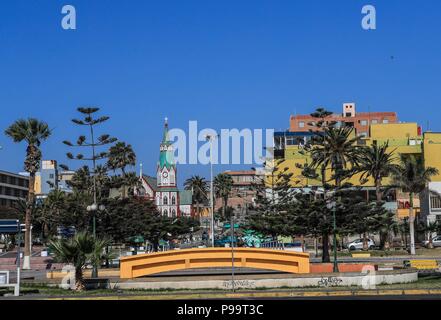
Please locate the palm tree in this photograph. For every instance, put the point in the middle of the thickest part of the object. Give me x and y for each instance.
(53, 205)
(199, 187)
(376, 163)
(121, 155)
(223, 184)
(80, 250)
(33, 132)
(334, 148)
(431, 228)
(412, 177)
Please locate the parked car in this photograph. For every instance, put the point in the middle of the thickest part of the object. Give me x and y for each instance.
(358, 245)
(436, 241)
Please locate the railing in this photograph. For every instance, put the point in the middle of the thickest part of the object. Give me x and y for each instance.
(276, 245)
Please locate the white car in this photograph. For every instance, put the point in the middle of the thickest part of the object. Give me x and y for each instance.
(358, 245)
(436, 242)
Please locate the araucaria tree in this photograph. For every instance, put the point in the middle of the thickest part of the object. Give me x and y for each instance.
(93, 144)
(33, 132)
(273, 197)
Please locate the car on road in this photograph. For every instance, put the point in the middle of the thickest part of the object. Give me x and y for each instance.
(436, 241)
(358, 245)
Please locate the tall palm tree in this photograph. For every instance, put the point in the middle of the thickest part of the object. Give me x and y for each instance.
(121, 155)
(33, 132)
(80, 250)
(334, 148)
(223, 184)
(377, 163)
(412, 177)
(199, 187)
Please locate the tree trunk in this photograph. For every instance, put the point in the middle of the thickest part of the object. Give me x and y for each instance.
(28, 221)
(302, 239)
(316, 246)
(412, 226)
(379, 196)
(365, 242)
(79, 281)
(430, 245)
(155, 244)
(325, 250)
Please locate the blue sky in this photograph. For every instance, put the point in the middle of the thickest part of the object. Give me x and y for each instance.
(226, 64)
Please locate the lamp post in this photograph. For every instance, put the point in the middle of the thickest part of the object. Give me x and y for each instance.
(232, 250)
(211, 138)
(332, 205)
(93, 208)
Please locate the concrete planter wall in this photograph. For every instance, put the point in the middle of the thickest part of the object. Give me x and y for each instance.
(324, 281)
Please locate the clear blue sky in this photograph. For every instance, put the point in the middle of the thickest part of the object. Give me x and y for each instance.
(227, 64)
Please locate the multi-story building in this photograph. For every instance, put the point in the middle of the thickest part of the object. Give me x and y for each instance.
(243, 193)
(402, 138)
(361, 121)
(50, 178)
(13, 187)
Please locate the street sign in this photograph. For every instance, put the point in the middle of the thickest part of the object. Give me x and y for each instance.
(9, 226)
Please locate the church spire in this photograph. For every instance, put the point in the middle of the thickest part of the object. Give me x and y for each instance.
(166, 157)
(165, 138)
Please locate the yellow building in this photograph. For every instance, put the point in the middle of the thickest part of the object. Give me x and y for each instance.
(402, 138)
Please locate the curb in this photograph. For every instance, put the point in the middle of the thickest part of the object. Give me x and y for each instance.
(306, 294)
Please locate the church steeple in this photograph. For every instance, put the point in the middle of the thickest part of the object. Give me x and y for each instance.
(166, 157)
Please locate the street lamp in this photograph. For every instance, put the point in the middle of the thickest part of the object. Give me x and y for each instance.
(232, 250)
(93, 208)
(211, 139)
(332, 205)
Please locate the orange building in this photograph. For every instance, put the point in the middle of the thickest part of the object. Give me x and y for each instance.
(349, 117)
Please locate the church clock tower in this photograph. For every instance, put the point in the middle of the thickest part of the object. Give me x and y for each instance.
(167, 196)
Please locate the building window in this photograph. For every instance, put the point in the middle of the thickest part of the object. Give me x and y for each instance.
(173, 213)
(165, 200)
(363, 134)
(173, 200)
(435, 202)
(289, 141)
(385, 121)
(301, 124)
(374, 121)
(363, 122)
(165, 212)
